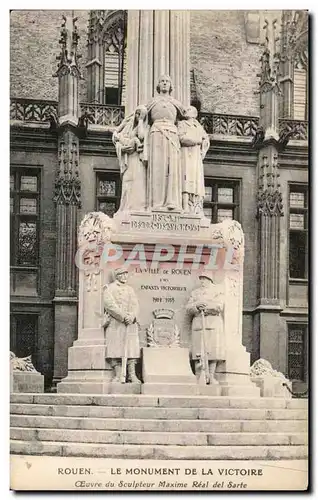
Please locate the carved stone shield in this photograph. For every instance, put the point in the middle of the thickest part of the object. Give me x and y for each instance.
(163, 331)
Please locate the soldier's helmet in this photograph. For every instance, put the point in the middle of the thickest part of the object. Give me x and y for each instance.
(119, 271)
(207, 275)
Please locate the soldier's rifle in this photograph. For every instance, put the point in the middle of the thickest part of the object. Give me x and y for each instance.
(204, 375)
(124, 357)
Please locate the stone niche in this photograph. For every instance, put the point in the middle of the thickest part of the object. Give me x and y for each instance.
(185, 245)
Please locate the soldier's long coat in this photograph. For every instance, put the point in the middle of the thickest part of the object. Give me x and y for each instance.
(120, 300)
(214, 334)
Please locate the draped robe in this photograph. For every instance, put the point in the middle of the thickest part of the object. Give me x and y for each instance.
(163, 154)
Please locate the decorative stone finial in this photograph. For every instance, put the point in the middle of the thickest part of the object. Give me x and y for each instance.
(68, 57)
(270, 59)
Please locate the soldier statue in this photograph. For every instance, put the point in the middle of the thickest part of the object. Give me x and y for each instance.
(206, 307)
(122, 339)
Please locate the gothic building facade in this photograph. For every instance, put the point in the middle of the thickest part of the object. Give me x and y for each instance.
(74, 75)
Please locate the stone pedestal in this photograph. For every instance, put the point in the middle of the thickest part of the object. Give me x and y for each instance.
(167, 370)
(27, 382)
(165, 365)
(165, 253)
(272, 387)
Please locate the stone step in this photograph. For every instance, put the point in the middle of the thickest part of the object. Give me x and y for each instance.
(166, 438)
(125, 400)
(159, 452)
(159, 413)
(173, 425)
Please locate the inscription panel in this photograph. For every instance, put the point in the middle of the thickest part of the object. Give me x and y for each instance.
(165, 287)
(163, 223)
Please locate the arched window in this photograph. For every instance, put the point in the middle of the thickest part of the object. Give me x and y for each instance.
(294, 70)
(107, 58)
(300, 89)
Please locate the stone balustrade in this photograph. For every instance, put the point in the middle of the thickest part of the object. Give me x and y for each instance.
(110, 116)
(32, 110)
(239, 126)
(105, 115)
(298, 127)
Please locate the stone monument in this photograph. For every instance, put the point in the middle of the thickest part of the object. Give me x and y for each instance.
(160, 327)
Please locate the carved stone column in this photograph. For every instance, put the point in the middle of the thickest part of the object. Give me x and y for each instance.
(88, 371)
(269, 203)
(180, 54)
(158, 42)
(67, 197)
(95, 57)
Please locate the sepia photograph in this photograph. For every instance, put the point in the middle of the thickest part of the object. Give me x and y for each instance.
(159, 209)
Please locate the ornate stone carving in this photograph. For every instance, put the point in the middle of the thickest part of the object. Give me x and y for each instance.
(163, 332)
(102, 114)
(96, 227)
(270, 59)
(108, 26)
(240, 126)
(30, 110)
(295, 37)
(217, 232)
(258, 137)
(270, 204)
(263, 368)
(67, 182)
(269, 200)
(21, 364)
(106, 35)
(68, 58)
(233, 234)
(94, 231)
(297, 129)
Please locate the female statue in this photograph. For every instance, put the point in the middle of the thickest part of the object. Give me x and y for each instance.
(163, 149)
(128, 139)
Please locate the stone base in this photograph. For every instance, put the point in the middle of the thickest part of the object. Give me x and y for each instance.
(272, 387)
(249, 390)
(85, 382)
(97, 387)
(87, 357)
(128, 388)
(169, 389)
(167, 365)
(27, 382)
(234, 374)
(209, 390)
